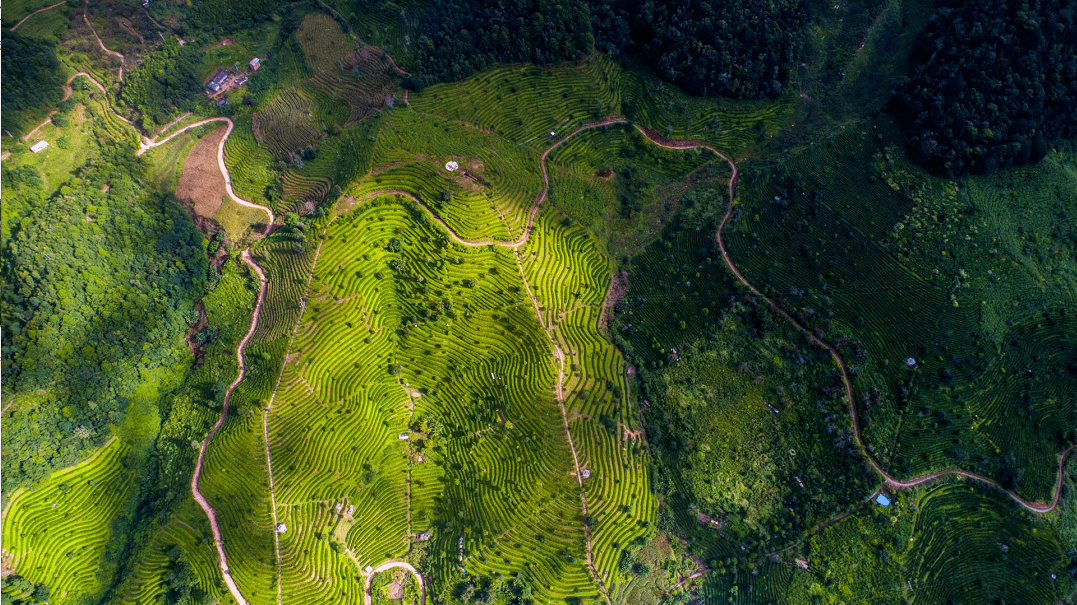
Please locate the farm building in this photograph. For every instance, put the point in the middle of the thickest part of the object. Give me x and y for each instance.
(39, 146)
(255, 64)
(222, 102)
(882, 500)
(215, 83)
(241, 81)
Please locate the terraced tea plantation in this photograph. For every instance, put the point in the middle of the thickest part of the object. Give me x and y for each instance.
(550, 334)
(58, 533)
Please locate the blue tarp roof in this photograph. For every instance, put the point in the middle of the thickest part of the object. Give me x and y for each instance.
(883, 500)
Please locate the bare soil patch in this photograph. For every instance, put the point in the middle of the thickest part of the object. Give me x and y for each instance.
(191, 336)
(616, 293)
(201, 187)
(126, 26)
(605, 173)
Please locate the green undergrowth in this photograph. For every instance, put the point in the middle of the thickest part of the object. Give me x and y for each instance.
(951, 543)
(620, 186)
(972, 279)
(747, 419)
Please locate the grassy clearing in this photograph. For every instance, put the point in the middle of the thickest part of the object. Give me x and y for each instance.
(166, 161)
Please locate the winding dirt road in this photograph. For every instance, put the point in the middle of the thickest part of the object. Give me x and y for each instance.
(209, 510)
(368, 600)
(113, 53)
(891, 482)
(40, 10)
(67, 95)
(148, 144)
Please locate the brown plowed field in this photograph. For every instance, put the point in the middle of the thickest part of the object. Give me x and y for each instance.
(201, 186)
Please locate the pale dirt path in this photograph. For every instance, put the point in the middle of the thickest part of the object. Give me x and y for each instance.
(29, 135)
(67, 95)
(890, 481)
(85, 7)
(148, 144)
(150, 17)
(164, 128)
(211, 514)
(368, 600)
(265, 415)
(40, 10)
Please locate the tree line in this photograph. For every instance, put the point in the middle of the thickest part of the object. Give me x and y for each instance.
(99, 284)
(164, 85)
(992, 85)
(708, 47)
(32, 79)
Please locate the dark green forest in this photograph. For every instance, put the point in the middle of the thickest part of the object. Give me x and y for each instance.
(164, 84)
(99, 283)
(992, 85)
(32, 78)
(738, 50)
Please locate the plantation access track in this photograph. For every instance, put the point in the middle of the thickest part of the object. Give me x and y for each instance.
(40, 10)
(67, 95)
(209, 510)
(113, 53)
(890, 481)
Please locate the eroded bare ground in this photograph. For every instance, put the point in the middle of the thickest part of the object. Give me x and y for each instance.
(201, 188)
(618, 287)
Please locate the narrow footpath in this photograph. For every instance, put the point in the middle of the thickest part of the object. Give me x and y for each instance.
(211, 513)
(890, 481)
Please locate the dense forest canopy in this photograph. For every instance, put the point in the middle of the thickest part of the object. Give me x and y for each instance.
(710, 48)
(32, 77)
(461, 37)
(992, 85)
(735, 49)
(99, 284)
(165, 83)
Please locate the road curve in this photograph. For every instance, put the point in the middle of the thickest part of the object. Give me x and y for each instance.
(67, 95)
(40, 10)
(891, 482)
(85, 18)
(368, 600)
(211, 514)
(148, 144)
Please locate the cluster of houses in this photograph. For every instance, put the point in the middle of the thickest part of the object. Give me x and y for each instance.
(220, 80)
